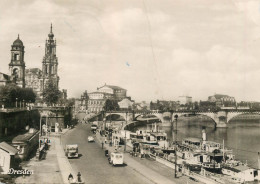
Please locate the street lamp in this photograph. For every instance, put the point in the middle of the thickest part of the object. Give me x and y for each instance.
(16, 102)
(3, 106)
(125, 130)
(175, 165)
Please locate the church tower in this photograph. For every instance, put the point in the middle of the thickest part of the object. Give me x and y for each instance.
(50, 62)
(17, 64)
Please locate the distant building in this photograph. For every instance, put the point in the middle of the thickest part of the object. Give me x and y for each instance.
(141, 106)
(97, 100)
(222, 100)
(118, 92)
(164, 105)
(126, 104)
(183, 100)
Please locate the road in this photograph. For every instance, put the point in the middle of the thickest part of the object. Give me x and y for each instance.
(93, 164)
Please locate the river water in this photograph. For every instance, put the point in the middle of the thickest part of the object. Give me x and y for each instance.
(243, 137)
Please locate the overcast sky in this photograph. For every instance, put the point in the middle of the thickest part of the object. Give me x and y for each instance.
(155, 49)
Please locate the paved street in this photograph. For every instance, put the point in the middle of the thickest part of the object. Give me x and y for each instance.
(93, 164)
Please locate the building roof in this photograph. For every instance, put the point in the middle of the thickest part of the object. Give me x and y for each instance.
(23, 138)
(32, 70)
(219, 96)
(18, 42)
(112, 87)
(4, 76)
(98, 92)
(8, 148)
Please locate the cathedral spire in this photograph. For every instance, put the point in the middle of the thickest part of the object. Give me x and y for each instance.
(51, 28)
(51, 35)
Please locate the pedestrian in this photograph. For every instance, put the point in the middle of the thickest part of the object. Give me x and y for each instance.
(70, 178)
(79, 177)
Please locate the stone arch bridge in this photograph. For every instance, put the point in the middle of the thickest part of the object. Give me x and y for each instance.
(221, 118)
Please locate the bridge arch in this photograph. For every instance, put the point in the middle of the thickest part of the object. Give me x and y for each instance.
(232, 115)
(209, 115)
(123, 115)
(158, 115)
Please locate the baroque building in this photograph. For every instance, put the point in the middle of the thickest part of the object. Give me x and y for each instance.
(97, 100)
(17, 64)
(34, 78)
(50, 62)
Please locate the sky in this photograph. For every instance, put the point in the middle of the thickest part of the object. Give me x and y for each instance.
(154, 49)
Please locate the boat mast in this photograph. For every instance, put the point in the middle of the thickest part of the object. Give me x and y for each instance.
(258, 160)
(223, 150)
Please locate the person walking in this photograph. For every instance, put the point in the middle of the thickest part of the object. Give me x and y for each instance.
(79, 177)
(70, 178)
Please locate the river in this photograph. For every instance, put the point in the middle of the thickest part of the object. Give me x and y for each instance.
(243, 137)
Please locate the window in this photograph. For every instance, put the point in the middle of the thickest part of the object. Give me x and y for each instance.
(16, 57)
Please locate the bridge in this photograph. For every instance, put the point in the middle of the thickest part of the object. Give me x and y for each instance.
(221, 118)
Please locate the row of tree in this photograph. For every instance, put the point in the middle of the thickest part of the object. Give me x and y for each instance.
(12, 94)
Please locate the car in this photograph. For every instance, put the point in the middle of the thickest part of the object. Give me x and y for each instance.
(93, 127)
(90, 139)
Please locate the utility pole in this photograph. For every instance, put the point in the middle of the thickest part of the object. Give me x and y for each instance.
(175, 165)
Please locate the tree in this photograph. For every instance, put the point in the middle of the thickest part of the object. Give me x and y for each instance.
(111, 105)
(10, 94)
(51, 93)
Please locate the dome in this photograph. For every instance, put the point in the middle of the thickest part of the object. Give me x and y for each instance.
(18, 42)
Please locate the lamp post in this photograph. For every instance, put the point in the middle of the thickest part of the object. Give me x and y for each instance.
(40, 131)
(175, 165)
(3, 106)
(16, 102)
(125, 130)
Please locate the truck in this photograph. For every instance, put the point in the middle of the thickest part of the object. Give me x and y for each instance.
(71, 150)
(116, 158)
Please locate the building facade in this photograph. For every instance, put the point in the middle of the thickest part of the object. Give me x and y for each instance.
(97, 100)
(32, 79)
(118, 92)
(222, 100)
(183, 100)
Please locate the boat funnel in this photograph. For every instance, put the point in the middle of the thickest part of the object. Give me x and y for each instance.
(204, 136)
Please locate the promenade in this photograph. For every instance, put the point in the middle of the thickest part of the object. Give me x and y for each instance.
(44, 171)
(55, 168)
